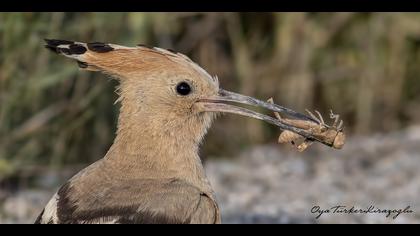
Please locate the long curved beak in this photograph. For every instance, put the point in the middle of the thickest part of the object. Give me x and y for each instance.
(220, 103)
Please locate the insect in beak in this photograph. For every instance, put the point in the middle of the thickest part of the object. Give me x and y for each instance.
(220, 103)
(331, 135)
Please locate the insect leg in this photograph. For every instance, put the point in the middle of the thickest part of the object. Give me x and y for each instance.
(334, 116)
(276, 114)
(303, 146)
(340, 126)
(320, 117)
(313, 116)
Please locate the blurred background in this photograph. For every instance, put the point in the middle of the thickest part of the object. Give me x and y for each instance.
(56, 119)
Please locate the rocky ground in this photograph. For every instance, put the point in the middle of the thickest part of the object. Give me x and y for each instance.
(276, 184)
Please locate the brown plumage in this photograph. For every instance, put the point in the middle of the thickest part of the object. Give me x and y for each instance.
(152, 172)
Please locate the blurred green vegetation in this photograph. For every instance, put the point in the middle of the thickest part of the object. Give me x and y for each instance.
(364, 66)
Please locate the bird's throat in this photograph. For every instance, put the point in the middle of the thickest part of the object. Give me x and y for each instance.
(143, 148)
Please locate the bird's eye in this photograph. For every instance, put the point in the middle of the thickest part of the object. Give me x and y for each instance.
(183, 88)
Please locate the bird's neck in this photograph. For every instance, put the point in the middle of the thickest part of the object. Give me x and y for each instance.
(146, 147)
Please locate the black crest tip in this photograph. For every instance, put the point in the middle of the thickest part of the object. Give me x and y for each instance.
(56, 42)
(51, 48)
(99, 47)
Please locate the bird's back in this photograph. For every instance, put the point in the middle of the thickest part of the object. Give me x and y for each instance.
(109, 200)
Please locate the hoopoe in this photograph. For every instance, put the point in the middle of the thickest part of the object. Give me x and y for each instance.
(152, 173)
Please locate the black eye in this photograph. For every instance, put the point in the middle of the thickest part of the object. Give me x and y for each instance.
(183, 88)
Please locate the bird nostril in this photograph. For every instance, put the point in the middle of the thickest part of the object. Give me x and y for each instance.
(183, 88)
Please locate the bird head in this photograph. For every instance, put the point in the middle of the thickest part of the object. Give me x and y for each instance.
(166, 89)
